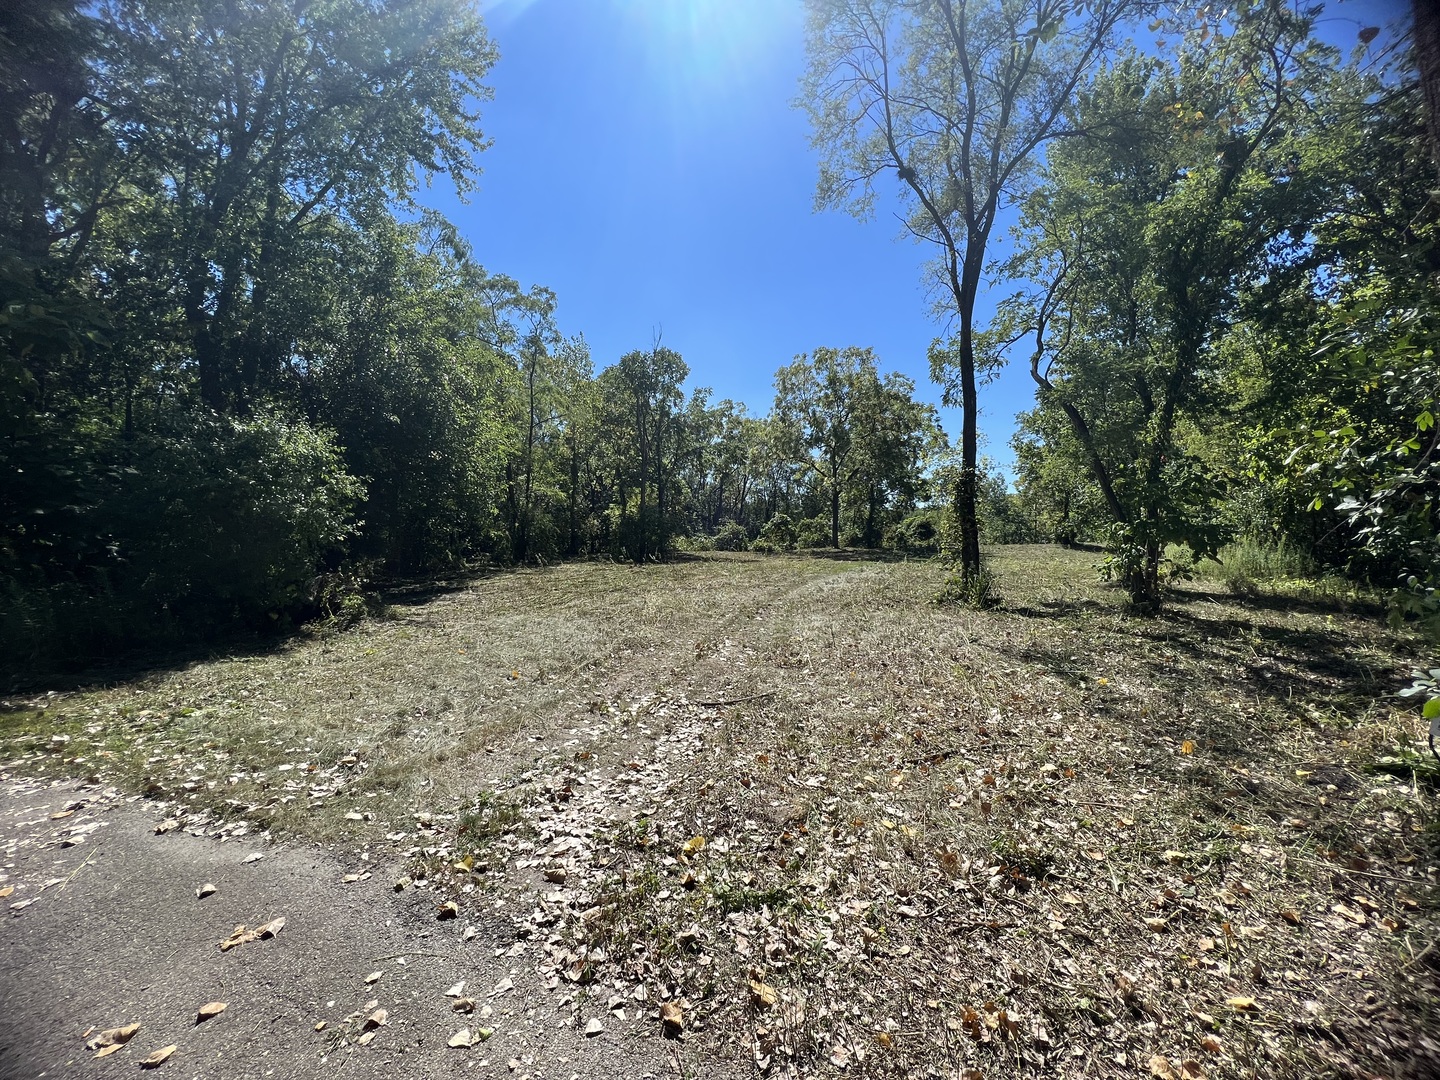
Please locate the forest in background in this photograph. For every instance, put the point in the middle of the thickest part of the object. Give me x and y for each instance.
(242, 373)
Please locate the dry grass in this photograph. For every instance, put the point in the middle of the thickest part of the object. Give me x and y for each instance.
(1042, 839)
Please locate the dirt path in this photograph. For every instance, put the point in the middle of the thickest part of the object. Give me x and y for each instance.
(108, 931)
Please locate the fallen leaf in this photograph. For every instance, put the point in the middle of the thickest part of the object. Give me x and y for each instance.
(458, 990)
(1211, 1044)
(114, 1036)
(672, 1017)
(374, 977)
(210, 1010)
(205, 890)
(366, 1039)
(106, 1051)
(1160, 1066)
(1156, 925)
(461, 1039)
(159, 1057)
(168, 825)
(378, 1018)
(1191, 1070)
(8, 890)
(448, 910)
(763, 994)
(242, 936)
(254, 856)
(693, 845)
(1243, 1004)
(1186, 747)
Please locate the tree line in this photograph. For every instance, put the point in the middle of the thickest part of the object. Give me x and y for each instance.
(243, 370)
(1223, 280)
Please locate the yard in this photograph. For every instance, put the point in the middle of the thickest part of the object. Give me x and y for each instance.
(798, 815)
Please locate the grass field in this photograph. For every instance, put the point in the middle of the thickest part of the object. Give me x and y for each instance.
(840, 827)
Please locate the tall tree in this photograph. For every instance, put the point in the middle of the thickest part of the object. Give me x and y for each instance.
(955, 97)
(1199, 186)
(645, 399)
(275, 114)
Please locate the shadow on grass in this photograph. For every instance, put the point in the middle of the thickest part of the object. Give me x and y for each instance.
(1259, 660)
(876, 555)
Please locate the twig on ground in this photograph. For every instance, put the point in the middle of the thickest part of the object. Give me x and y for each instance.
(734, 701)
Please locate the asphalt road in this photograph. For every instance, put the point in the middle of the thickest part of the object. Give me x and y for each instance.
(103, 929)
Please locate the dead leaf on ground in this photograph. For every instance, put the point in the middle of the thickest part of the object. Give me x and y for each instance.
(242, 936)
(210, 1010)
(159, 1057)
(1242, 1004)
(168, 825)
(118, 1036)
(378, 1018)
(672, 1017)
(458, 990)
(461, 1040)
(254, 856)
(7, 891)
(763, 994)
(1160, 1066)
(374, 977)
(205, 890)
(448, 910)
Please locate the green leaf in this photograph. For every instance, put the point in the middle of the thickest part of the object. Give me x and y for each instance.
(1432, 708)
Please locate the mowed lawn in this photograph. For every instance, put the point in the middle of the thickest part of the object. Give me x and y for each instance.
(843, 828)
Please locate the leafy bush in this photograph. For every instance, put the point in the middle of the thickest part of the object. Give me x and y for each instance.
(731, 537)
(813, 532)
(1246, 564)
(200, 525)
(918, 533)
(779, 532)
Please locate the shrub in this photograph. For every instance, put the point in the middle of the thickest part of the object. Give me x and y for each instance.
(813, 532)
(731, 537)
(779, 532)
(1246, 564)
(917, 534)
(196, 526)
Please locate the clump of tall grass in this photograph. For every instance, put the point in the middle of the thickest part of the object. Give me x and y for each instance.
(1248, 567)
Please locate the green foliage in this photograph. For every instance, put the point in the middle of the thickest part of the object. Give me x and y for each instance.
(779, 532)
(1245, 564)
(812, 532)
(731, 537)
(199, 525)
(918, 533)
(976, 591)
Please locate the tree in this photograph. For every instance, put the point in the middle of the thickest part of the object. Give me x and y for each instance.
(644, 401)
(956, 97)
(275, 115)
(862, 438)
(1197, 189)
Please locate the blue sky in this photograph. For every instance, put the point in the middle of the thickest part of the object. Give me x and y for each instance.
(649, 167)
